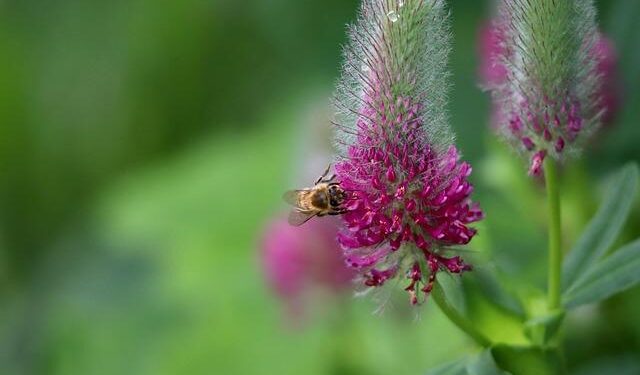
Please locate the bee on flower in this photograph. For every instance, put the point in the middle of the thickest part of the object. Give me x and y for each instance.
(408, 194)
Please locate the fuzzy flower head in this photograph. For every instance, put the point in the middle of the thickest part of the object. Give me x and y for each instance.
(549, 97)
(409, 194)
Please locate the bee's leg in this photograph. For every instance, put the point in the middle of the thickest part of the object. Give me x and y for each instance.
(324, 174)
(322, 214)
(337, 212)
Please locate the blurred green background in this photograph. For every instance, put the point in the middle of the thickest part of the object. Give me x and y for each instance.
(143, 146)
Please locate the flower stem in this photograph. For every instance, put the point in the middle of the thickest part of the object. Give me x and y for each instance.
(555, 233)
(457, 318)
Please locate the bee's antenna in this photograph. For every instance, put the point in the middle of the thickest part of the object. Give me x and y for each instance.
(350, 190)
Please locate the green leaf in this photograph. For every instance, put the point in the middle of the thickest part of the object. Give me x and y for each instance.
(449, 297)
(604, 228)
(527, 360)
(457, 367)
(476, 309)
(484, 364)
(613, 274)
(453, 291)
(542, 329)
(623, 364)
(490, 287)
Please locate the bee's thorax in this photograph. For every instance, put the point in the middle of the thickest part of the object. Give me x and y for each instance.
(319, 199)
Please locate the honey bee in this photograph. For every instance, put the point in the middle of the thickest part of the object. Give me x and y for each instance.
(326, 197)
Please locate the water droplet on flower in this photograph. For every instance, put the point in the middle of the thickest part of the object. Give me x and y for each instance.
(365, 68)
(393, 16)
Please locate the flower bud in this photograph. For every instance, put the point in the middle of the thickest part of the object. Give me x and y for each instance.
(550, 74)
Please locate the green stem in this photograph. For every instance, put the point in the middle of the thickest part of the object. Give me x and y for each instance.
(555, 233)
(456, 317)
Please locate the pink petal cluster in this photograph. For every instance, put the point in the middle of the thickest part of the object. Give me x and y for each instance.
(403, 192)
(298, 260)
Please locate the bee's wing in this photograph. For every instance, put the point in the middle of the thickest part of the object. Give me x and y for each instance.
(291, 197)
(297, 218)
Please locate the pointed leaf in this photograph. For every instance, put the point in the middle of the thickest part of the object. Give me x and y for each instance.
(491, 287)
(615, 273)
(479, 307)
(604, 228)
(453, 291)
(450, 299)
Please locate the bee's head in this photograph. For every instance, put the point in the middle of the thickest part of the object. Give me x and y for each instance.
(336, 195)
